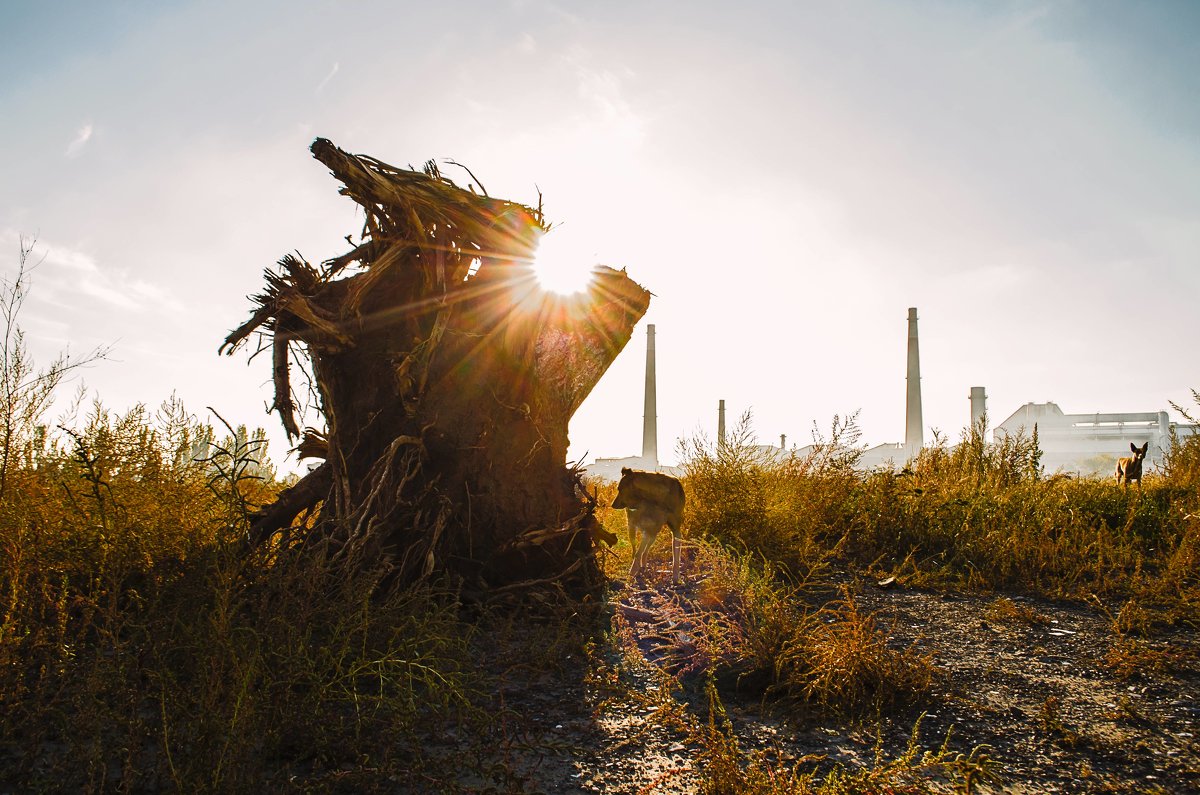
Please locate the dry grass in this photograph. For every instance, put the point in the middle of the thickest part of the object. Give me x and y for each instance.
(847, 667)
(980, 516)
(1007, 611)
(727, 770)
(755, 629)
(1136, 659)
(725, 767)
(141, 647)
(1051, 721)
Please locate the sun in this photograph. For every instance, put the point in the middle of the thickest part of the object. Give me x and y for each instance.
(562, 264)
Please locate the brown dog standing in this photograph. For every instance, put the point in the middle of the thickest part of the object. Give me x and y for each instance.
(1131, 468)
(651, 500)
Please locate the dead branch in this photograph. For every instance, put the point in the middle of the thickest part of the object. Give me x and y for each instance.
(302, 496)
(283, 386)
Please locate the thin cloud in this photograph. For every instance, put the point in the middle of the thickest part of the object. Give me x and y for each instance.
(328, 77)
(71, 260)
(603, 90)
(81, 138)
(105, 292)
(66, 275)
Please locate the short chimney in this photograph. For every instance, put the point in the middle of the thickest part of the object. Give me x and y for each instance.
(978, 407)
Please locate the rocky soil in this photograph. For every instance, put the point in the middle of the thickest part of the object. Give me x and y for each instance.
(1063, 703)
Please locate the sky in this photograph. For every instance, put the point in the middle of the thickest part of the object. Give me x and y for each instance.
(786, 178)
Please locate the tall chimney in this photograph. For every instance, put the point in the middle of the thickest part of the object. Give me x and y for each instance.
(650, 415)
(914, 426)
(978, 406)
(721, 424)
(783, 441)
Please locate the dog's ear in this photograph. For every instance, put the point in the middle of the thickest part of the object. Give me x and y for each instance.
(1133, 447)
(627, 471)
(1145, 447)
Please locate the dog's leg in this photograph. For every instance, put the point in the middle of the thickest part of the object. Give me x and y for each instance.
(637, 543)
(639, 563)
(635, 566)
(676, 548)
(631, 521)
(649, 532)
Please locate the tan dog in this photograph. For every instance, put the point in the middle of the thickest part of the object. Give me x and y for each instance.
(1131, 468)
(651, 500)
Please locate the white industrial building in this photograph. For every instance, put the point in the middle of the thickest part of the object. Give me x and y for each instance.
(1092, 443)
(1081, 443)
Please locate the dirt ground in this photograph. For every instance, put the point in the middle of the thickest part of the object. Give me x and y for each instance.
(1032, 681)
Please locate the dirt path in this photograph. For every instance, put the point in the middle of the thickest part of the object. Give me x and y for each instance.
(1032, 680)
(1044, 693)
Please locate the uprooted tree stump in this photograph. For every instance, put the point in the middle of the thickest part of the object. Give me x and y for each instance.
(446, 378)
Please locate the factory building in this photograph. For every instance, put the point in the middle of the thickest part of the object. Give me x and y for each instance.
(1092, 443)
(1080, 443)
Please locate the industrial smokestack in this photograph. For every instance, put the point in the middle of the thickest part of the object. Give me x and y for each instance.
(914, 426)
(978, 406)
(721, 423)
(650, 416)
(783, 441)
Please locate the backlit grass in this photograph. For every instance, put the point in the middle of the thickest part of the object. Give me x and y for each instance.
(978, 516)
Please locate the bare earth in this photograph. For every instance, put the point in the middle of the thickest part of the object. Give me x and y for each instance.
(1057, 718)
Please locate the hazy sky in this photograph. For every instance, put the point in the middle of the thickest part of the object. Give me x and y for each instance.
(787, 178)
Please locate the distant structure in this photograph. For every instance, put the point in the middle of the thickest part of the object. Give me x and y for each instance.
(650, 416)
(1083, 443)
(978, 406)
(891, 455)
(610, 468)
(770, 454)
(1092, 443)
(914, 433)
(767, 453)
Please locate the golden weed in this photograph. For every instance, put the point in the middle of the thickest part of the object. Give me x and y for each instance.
(1006, 611)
